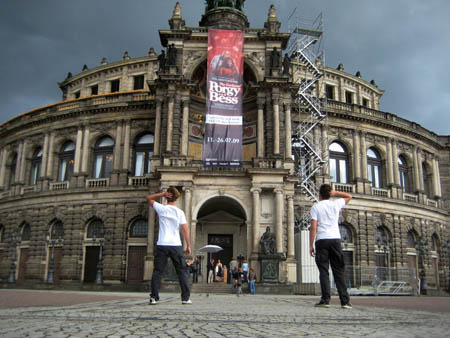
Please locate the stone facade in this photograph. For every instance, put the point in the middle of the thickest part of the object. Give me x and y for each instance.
(238, 204)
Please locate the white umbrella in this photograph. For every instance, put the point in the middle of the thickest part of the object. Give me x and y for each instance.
(210, 248)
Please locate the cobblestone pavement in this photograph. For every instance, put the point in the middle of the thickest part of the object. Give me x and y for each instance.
(129, 315)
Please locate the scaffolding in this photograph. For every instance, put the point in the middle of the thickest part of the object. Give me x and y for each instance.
(306, 49)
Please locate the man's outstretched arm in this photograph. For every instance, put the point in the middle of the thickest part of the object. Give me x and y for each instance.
(347, 197)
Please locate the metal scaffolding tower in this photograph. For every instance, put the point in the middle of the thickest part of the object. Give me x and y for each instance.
(307, 50)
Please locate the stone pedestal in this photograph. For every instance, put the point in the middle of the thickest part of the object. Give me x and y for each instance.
(270, 272)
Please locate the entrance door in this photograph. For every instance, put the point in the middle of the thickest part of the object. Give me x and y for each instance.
(90, 265)
(136, 260)
(57, 255)
(22, 265)
(224, 241)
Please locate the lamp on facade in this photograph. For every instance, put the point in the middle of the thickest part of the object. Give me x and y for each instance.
(52, 241)
(422, 249)
(103, 236)
(15, 239)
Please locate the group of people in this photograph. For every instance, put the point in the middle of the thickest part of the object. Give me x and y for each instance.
(325, 246)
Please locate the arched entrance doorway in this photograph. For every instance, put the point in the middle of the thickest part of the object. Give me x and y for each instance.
(221, 221)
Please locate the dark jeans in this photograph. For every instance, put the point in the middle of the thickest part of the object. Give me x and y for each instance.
(176, 255)
(329, 252)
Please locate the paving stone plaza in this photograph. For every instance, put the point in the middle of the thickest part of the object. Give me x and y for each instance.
(25, 313)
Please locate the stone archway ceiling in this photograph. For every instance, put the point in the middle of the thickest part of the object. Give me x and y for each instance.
(221, 203)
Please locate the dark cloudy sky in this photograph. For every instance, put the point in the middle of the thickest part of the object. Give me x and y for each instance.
(404, 45)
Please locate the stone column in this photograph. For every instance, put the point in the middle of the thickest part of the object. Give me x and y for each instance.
(185, 127)
(419, 166)
(158, 126)
(256, 210)
(290, 225)
(126, 146)
(395, 163)
(44, 157)
(260, 103)
(77, 164)
(288, 131)
(170, 123)
(188, 213)
(416, 170)
(364, 156)
(357, 160)
(5, 154)
(23, 162)
(151, 231)
(436, 178)
(389, 164)
(117, 146)
(276, 124)
(84, 164)
(51, 155)
(279, 219)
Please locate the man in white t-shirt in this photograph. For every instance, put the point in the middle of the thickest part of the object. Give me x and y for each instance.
(325, 231)
(171, 221)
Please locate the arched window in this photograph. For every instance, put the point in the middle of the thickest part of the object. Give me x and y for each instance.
(374, 167)
(403, 174)
(346, 234)
(384, 244)
(2, 231)
(66, 161)
(434, 243)
(36, 162)
(26, 232)
(427, 180)
(95, 229)
(338, 163)
(103, 154)
(299, 156)
(411, 239)
(139, 228)
(57, 230)
(12, 170)
(143, 151)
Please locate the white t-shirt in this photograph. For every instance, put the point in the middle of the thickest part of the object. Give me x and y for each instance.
(170, 219)
(326, 213)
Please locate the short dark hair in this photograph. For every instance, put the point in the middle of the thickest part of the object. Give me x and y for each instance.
(324, 191)
(175, 194)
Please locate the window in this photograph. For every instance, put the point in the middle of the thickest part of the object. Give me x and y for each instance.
(138, 82)
(299, 156)
(427, 180)
(94, 90)
(365, 102)
(403, 174)
(26, 232)
(2, 231)
(383, 243)
(77, 95)
(36, 163)
(374, 167)
(329, 92)
(346, 233)
(95, 229)
(66, 161)
(139, 228)
(103, 154)
(434, 243)
(348, 97)
(57, 230)
(115, 85)
(12, 170)
(338, 163)
(143, 152)
(411, 239)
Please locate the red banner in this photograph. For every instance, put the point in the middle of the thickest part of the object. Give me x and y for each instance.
(222, 145)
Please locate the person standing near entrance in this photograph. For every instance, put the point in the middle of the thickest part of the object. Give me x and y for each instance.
(210, 268)
(171, 221)
(325, 224)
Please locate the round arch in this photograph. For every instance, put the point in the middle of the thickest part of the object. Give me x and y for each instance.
(212, 199)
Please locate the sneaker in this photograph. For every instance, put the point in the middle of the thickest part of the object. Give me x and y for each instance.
(152, 301)
(322, 304)
(346, 306)
(184, 302)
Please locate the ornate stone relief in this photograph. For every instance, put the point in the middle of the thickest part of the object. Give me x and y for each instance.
(257, 59)
(192, 57)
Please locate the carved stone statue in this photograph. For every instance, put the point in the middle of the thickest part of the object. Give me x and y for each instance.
(172, 55)
(268, 243)
(286, 64)
(162, 61)
(275, 58)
